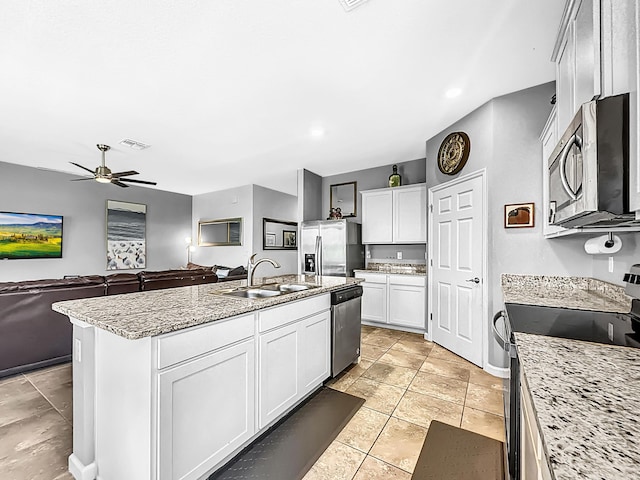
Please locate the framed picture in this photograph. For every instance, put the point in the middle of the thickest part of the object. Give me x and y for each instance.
(519, 215)
(270, 239)
(30, 235)
(126, 235)
(289, 238)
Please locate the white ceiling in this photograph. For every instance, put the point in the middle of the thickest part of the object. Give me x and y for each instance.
(228, 91)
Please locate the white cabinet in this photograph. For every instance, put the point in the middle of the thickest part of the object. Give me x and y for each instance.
(394, 299)
(407, 301)
(394, 215)
(533, 460)
(578, 59)
(293, 360)
(377, 216)
(206, 410)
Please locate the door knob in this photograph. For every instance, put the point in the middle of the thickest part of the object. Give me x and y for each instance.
(474, 280)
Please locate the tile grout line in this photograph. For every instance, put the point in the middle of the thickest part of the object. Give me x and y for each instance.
(48, 401)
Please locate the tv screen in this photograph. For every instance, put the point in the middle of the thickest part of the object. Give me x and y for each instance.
(30, 235)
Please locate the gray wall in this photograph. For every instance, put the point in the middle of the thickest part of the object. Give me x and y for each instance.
(309, 196)
(83, 205)
(622, 260)
(279, 206)
(377, 177)
(231, 203)
(504, 137)
(410, 253)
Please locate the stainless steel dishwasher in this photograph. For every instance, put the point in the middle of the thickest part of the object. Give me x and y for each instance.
(345, 327)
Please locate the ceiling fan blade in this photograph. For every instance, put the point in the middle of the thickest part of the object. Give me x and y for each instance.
(81, 179)
(84, 168)
(137, 181)
(120, 184)
(124, 174)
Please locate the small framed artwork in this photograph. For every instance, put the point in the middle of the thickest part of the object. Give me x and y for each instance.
(270, 239)
(519, 215)
(289, 238)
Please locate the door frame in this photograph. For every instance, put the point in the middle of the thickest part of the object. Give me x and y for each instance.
(482, 174)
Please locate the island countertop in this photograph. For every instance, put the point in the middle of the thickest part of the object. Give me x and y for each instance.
(147, 314)
(584, 397)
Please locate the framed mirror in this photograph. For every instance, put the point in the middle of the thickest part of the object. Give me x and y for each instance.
(215, 233)
(344, 196)
(279, 234)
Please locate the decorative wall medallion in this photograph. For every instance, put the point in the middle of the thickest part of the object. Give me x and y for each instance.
(453, 153)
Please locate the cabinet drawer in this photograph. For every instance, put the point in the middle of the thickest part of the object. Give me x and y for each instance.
(289, 312)
(179, 346)
(373, 277)
(417, 281)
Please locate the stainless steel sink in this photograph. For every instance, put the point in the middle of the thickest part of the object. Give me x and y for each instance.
(267, 290)
(254, 293)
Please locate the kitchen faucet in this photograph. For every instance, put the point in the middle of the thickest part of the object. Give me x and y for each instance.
(251, 267)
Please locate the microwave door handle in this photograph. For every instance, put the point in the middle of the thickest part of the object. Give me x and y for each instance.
(575, 139)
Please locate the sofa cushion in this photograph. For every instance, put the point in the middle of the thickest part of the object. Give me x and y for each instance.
(69, 282)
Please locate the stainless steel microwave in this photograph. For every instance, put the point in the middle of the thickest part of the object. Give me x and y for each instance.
(589, 168)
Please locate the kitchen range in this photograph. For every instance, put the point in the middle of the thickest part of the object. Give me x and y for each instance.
(548, 340)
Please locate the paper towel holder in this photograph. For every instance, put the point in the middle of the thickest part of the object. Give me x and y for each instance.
(609, 243)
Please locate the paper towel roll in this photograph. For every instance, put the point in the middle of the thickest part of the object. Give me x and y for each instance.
(596, 245)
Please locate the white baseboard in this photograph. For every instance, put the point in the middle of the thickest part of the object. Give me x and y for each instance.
(496, 371)
(80, 471)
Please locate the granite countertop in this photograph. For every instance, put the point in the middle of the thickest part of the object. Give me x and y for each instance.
(395, 268)
(579, 293)
(146, 314)
(585, 400)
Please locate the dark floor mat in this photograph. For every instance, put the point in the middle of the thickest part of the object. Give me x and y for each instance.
(452, 453)
(290, 448)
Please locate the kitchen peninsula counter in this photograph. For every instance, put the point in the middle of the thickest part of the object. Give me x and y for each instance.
(584, 398)
(146, 314)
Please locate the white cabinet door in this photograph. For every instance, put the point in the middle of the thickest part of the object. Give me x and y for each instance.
(374, 302)
(206, 410)
(410, 215)
(565, 79)
(315, 361)
(587, 52)
(377, 217)
(407, 305)
(278, 386)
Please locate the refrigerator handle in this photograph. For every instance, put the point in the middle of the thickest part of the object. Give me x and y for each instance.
(318, 270)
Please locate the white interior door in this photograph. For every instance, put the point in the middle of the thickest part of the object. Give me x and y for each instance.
(457, 278)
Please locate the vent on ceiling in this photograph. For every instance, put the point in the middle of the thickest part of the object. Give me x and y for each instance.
(351, 4)
(133, 144)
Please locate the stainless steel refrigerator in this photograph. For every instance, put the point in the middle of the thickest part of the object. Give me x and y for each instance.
(331, 247)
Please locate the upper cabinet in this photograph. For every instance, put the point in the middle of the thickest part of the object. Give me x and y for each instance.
(578, 59)
(395, 215)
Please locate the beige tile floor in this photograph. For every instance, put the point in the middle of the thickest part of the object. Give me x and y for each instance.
(406, 381)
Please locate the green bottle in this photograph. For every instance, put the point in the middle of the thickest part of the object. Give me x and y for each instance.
(394, 179)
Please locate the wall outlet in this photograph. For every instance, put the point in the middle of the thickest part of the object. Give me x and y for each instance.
(610, 264)
(399, 255)
(610, 331)
(368, 253)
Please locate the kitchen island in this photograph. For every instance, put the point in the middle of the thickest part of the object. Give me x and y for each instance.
(171, 384)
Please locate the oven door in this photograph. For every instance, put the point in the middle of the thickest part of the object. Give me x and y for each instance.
(511, 396)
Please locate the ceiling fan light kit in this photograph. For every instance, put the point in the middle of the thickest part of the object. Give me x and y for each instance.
(103, 173)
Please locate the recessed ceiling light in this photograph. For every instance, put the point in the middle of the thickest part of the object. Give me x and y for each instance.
(452, 92)
(317, 132)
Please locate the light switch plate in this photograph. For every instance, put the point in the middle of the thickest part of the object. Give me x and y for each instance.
(610, 264)
(399, 255)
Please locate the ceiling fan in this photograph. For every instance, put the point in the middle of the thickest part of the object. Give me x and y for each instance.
(103, 174)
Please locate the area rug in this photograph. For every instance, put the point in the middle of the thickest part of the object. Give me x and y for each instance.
(289, 449)
(451, 453)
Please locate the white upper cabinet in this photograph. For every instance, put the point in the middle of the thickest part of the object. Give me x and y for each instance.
(577, 58)
(395, 215)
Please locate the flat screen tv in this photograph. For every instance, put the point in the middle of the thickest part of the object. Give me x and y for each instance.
(30, 235)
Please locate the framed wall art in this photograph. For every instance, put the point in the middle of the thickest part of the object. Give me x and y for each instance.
(126, 235)
(519, 215)
(30, 235)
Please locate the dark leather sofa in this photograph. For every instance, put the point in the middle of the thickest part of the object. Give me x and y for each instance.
(33, 336)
